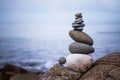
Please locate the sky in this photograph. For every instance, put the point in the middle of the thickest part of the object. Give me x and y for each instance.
(31, 15)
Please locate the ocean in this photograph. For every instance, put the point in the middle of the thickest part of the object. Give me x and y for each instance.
(41, 50)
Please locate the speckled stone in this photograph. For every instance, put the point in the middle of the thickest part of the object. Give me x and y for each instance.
(79, 62)
(77, 47)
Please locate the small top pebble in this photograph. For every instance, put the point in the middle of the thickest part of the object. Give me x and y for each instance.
(62, 60)
(78, 15)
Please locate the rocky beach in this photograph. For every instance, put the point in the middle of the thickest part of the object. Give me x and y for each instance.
(78, 65)
(105, 68)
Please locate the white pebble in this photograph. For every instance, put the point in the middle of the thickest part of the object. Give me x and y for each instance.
(79, 62)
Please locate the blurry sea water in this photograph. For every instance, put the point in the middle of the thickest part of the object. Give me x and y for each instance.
(42, 51)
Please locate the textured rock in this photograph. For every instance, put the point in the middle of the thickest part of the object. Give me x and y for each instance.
(27, 76)
(0, 75)
(111, 59)
(10, 70)
(59, 72)
(77, 47)
(14, 68)
(53, 78)
(81, 37)
(115, 74)
(105, 68)
(109, 78)
(79, 62)
(98, 72)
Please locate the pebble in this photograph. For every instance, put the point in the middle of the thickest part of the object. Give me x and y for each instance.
(81, 37)
(78, 29)
(62, 60)
(78, 15)
(75, 25)
(77, 47)
(79, 62)
(78, 19)
(79, 22)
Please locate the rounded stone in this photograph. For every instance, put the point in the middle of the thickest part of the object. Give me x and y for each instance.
(77, 47)
(78, 29)
(81, 37)
(78, 15)
(79, 22)
(62, 60)
(78, 19)
(75, 25)
(79, 62)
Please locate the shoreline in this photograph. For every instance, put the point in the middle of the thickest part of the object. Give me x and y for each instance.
(108, 65)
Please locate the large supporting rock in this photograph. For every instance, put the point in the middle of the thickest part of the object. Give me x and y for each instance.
(111, 59)
(105, 68)
(98, 72)
(59, 72)
(115, 74)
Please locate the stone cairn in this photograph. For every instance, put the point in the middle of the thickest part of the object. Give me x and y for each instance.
(80, 59)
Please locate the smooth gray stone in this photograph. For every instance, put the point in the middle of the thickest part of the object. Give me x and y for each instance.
(62, 60)
(82, 37)
(77, 47)
(78, 15)
(75, 25)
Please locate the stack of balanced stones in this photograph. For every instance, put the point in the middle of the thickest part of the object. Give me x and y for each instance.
(80, 58)
(78, 24)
